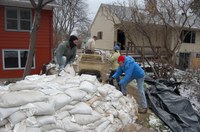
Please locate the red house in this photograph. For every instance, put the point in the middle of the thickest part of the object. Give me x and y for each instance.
(16, 18)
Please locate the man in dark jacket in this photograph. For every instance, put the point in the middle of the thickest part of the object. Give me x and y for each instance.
(66, 52)
(132, 71)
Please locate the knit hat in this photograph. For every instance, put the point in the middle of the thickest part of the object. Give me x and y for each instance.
(121, 58)
(116, 47)
(72, 38)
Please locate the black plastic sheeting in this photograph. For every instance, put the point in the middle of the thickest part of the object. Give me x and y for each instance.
(174, 110)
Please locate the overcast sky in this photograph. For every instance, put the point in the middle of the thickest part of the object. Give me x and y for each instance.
(94, 5)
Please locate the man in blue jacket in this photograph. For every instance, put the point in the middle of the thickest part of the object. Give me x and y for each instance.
(132, 71)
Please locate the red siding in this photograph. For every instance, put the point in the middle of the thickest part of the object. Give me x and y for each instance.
(20, 40)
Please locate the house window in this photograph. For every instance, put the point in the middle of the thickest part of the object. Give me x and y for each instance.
(15, 59)
(188, 36)
(100, 35)
(197, 55)
(17, 19)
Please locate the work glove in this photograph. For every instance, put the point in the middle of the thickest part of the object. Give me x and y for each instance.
(110, 79)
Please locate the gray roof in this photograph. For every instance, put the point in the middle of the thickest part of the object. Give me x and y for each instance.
(126, 14)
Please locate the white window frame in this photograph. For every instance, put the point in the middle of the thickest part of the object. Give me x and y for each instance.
(19, 59)
(18, 19)
(190, 34)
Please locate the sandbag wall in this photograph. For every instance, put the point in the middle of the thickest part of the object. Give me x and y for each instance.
(66, 103)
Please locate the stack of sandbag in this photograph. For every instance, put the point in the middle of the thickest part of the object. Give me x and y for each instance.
(66, 103)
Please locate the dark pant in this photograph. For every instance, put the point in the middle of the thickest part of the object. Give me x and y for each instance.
(111, 74)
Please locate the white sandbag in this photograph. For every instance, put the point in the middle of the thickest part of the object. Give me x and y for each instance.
(70, 70)
(96, 103)
(102, 126)
(112, 111)
(50, 92)
(5, 112)
(88, 87)
(48, 85)
(14, 99)
(8, 126)
(30, 121)
(43, 120)
(23, 86)
(17, 117)
(3, 122)
(74, 102)
(99, 110)
(81, 108)
(64, 124)
(62, 115)
(73, 80)
(48, 78)
(70, 126)
(96, 123)
(105, 105)
(44, 108)
(60, 100)
(34, 77)
(48, 127)
(20, 127)
(61, 79)
(92, 100)
(90, 78)
(33, 129)
(3, 129)
(104, 90)
(57, 130)
(116, 126)
(114, 95)
(125, 118)
(117, 105)
(84, 119)
(4, 88)
(69, 86)
(65, 108)
(76, 94)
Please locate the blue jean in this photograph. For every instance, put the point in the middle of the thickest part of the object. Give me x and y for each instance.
(140, 85)
(62, 64)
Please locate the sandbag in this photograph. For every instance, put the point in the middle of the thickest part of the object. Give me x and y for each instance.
(15, 99)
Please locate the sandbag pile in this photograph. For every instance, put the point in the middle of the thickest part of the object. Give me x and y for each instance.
(67, 103)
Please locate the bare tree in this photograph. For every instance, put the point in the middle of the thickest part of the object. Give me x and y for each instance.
(71, 15)
(153, 28)
(36, 23)
(195, 6)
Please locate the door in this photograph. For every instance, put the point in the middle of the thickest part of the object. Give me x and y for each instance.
(121, 39)
(184, 59)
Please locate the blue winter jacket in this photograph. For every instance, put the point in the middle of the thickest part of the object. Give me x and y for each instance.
(131, 69)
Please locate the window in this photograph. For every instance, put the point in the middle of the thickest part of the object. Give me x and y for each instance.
(17, 19)
(197, 55)
(100, 35)
(15, 59)
(188, 36)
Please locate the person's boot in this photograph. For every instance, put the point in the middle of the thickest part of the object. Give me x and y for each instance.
(142, 110)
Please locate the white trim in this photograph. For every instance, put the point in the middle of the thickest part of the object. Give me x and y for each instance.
(19, 59)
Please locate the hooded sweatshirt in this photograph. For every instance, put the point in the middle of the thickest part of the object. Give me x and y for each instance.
(131, 69)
